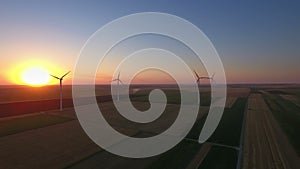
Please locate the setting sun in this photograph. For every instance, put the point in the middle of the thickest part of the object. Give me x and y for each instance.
(35, 76)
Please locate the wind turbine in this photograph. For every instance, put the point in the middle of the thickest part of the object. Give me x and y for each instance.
(203, 77)
(60, 84)
(118, 84)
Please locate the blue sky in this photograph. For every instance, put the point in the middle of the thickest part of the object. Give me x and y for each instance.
(258, 40)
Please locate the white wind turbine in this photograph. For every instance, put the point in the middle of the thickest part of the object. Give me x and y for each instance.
(118, 85)
(60, 84)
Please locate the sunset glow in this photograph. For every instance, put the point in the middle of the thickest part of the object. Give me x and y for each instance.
(34, 72)
(35, 76)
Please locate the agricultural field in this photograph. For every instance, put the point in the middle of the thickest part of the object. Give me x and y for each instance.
(220, 157)
(258, 129)
(229, 128)
(287, 115)
(265, 144)
(230, 101)
(293, 99)
(24, 93)
(20, 124)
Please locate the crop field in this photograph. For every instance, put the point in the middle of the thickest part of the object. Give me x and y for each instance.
(217, 156)
(55, 139)
(293, 99)
(238, 91)
(288, 117)
(173, 97)
(21, 124)
(295, 91)
(54, 146)
(223, 150)
(23, 93)
(220, 158)
(263, 146)
(229, 128)
(178, 157)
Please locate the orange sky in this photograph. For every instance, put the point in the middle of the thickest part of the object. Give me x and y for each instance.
(255, 47)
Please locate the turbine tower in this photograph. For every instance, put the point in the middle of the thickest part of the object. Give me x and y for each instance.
(118, 84)
(203, 77)
(60, 84)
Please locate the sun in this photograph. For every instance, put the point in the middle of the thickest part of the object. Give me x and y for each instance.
(35, 76)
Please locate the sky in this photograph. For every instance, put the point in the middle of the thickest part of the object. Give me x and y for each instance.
(257, 41)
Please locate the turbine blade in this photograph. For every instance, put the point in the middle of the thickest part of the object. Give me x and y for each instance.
(212, 77)
(119, 75)
(196, 74)
(54, 76)
(121, 81)
(65, 74)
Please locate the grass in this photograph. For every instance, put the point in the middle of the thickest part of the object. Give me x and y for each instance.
(182, 154)
(17, 125)
(228, 133)
(173, 97)
(220, 158)
(196, 129)
(288, 117)
(229, 129)
(178, 157)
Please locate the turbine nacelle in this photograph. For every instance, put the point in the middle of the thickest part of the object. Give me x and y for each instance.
(62, 77)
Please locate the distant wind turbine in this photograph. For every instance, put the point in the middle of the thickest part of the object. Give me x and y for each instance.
(60, 84)
(118, 85)
(203, 77)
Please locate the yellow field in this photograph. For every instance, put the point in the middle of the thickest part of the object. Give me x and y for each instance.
(263, 146)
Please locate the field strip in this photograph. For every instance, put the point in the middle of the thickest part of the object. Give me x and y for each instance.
(26, 123)
(20, 116)
(261, 148)
(291, 98)
(55, 146)
(51, 147)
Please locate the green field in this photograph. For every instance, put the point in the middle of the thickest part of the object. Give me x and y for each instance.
(182, 154)
(20, 124)
(196, 129)
(220, 158)
(173, 97)
(178, 157)
(229, 129)
(288, 116)
(228, 133)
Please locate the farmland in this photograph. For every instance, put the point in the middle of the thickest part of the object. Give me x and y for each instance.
(269, 138)
(287, 115)
(21, 124)
(263, 146)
